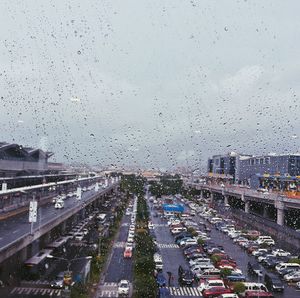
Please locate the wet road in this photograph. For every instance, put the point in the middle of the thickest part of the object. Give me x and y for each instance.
(120, 268)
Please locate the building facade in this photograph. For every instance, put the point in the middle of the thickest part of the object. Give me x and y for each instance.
(16, 160)
(246, 169)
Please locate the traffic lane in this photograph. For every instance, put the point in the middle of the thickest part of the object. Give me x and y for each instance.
(172, 257)
(119, 267)
(20, 225)
(242, 259)
(123, 231)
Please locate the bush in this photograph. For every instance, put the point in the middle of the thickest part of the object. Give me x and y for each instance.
(215, 259)
(294, 260)
(200, 241)
(239, 287)
(225, 272)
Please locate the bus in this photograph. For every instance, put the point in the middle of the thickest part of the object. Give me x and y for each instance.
(37, 265)
(58, 246)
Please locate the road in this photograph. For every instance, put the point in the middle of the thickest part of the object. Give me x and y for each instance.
(118, 268)
(17, 227)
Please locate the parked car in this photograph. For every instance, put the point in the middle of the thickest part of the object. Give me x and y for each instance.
(273, 283)
(185, 277)
(215, 292)
(254, 268)
(281, 253)
(292, 277)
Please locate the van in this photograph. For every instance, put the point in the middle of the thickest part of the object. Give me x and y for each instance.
(210, 273)
(265, 239)
(253, 286)
(282, 266)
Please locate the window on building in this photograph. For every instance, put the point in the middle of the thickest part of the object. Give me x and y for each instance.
(261, 161)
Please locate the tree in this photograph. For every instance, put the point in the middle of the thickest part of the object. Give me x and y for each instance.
(200, 241)
(239, 287)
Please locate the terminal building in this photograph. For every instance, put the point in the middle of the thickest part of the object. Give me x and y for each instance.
(271, 171)
(16, 160)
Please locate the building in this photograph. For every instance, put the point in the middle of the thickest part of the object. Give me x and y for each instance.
(249, 169)
(226, 165)
(16, 160)
(285, 165)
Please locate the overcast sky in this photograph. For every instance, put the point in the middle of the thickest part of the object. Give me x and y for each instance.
(152, 84)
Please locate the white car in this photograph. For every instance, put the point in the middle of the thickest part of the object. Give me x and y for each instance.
(130, 239)
(292, 277)
(199, 261)
(190, 241)
(281, 253)
(258, 251)
(150, 225)
(123, 288)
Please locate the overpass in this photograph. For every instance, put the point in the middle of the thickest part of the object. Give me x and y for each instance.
(279, 201)
(243, 201)
(16, 235)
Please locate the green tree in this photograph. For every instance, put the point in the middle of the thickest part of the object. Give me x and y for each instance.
(239, 287)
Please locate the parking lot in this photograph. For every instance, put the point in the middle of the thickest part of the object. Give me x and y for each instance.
(233, 256)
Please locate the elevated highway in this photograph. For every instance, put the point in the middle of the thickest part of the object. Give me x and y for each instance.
(15, 232)
(247, 197)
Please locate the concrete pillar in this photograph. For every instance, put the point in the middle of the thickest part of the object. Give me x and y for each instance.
(226, 200)
(4, 186)
(23, 254)
(63, 227)
(280, 216)
(247, 206)
(265, 211)
(279, 205)
(201, 194)
(243, 197)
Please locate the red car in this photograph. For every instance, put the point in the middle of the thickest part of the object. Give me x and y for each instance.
(226, 264)
(215, 292)
(127, 253)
